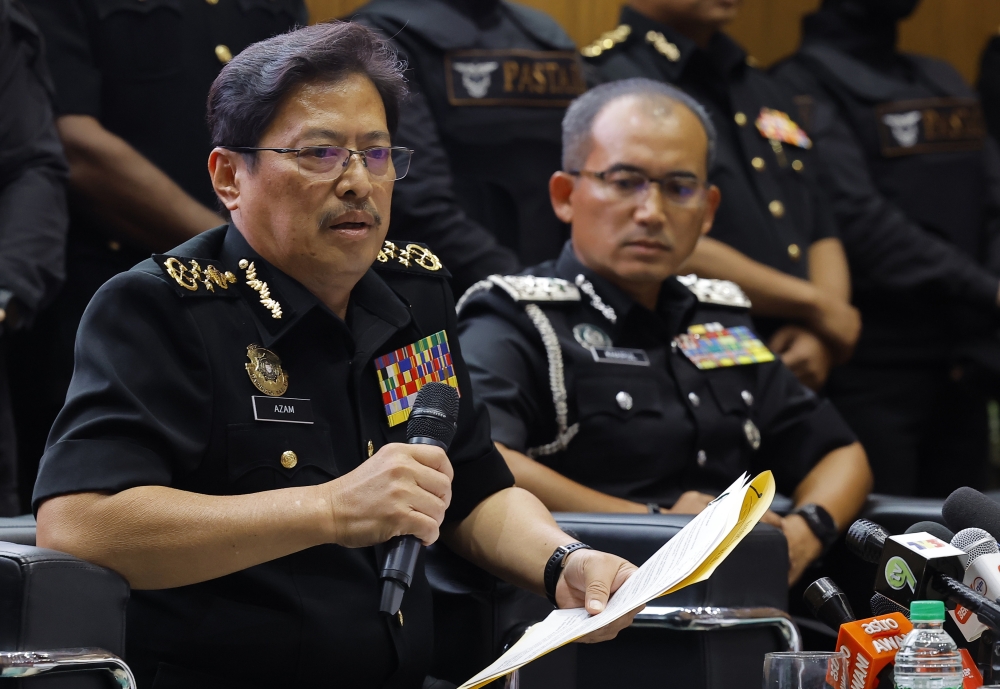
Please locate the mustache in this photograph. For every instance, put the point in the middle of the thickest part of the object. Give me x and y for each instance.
(346, 207)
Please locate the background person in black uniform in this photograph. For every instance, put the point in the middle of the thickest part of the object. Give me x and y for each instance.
(596, 398)
(32, 209)
(772, 235)
(253, 545)
(490, 81)
(131, 80)
(915, 187)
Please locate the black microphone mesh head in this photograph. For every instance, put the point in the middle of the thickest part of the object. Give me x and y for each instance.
(884, 606)
(865, 540)
(434, 413)
(934, 529)
(967, 507)
(976, 543)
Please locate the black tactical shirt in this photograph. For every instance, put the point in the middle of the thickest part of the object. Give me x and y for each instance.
(208, 370)
(772, 208)
(490, 82)
(585, 380)
(914, 182)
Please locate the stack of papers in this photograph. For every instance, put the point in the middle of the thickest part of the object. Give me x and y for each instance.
(687, 558)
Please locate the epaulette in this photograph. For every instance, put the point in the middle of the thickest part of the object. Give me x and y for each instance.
(413, 257)
(196, 277)
(607, 41)
(525, 288)
(720, 292)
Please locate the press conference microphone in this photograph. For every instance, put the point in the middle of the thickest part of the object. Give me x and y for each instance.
(967, 507)
(934, 529)
(883, 606)
(433, 421)
(918, 567)
(982, 574)
(870, 644)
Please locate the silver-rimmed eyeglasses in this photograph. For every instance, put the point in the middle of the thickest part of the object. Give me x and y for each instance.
(327, 163)
(681, 189)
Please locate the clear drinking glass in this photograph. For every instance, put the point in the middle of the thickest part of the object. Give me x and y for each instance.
(805, 670)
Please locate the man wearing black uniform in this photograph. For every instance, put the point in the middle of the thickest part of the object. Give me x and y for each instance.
(614, 386)
(32, 209)
(131, 78)
(915, 188)
(773, 234)
(232, 439)
(490, 82)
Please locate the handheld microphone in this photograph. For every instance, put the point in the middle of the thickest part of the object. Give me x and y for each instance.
(870, 644)
(934, 529)
(982, 574)
(967, 507)
(433, 421)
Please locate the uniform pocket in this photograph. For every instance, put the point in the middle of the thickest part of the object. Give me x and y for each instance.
(279, 455)
(141, 40)
(623, 397)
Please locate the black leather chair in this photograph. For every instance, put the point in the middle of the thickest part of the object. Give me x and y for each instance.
(738, 614)
(61, 619)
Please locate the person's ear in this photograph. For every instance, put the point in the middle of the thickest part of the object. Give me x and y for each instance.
(222, 166)
(713, 197)
(561, 186)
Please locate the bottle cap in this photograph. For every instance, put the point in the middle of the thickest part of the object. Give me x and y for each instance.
(927, 611)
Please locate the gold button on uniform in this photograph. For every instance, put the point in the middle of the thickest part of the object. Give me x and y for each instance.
(740, 118)
(777, 208)
(758, 164)
(797, 165)
(222, 52)
(794, 252)
(212, 2)
(289, 459)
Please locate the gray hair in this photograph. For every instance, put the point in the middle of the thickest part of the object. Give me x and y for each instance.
(579, 119)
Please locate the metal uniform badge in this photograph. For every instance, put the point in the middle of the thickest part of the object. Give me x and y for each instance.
(590, 336)
(265, 371)
(752, 433)
(403, 372)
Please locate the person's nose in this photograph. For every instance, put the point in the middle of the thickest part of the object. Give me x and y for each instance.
(355, 179)
(652, 208)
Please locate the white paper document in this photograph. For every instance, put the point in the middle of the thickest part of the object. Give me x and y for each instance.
(690, 556)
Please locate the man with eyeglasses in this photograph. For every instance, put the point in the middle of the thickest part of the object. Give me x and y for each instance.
(232, 442)
(616, 385)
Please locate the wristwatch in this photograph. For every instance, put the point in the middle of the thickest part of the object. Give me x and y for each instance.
(820, 523)
(554, 567)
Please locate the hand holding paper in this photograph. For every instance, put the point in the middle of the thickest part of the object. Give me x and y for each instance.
(689, 557)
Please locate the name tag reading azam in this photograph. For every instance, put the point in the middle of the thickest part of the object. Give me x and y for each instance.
(541, 78)
(284, 409)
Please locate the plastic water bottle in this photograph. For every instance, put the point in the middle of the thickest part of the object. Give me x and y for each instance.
(928, 658)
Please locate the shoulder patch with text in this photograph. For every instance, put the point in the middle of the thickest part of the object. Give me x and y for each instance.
(930, 125)
(517, 78)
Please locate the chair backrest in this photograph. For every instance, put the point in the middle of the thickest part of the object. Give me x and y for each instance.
(475, 615)
(50, 600)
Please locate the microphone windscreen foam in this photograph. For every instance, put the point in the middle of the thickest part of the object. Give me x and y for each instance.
(967, 507)
(885, 606)
(934, 529)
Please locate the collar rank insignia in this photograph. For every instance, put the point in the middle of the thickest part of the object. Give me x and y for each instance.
(261, 288)
(265, 371)
(413, 256)
(775, 125)
(719, 292)
(403, 372)
(710, 346)
(607, 41)
(193, 278)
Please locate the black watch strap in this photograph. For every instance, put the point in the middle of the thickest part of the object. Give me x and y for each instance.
(553, 568)
(820, 522)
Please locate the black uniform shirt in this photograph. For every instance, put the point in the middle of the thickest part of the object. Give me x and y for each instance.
(161, 396)
(591, 384)
(489, 94)
(772, 209)
(914, 183)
